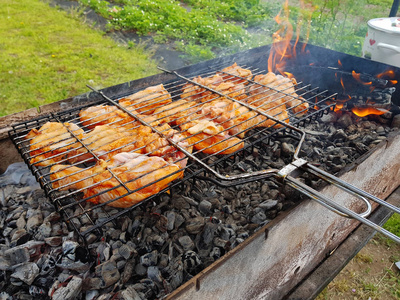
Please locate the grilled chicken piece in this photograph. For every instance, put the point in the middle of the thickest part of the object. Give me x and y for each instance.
(271, 98)
(146, 101)
(210, 138)
(104, 114)
(192, 92)
(52, 142)
(172, 112)
(105, 141)
(236, 71)
(136, 171)
(238, 119)
(111, 115)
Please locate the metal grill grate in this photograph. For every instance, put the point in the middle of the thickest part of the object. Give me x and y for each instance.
(75, 147)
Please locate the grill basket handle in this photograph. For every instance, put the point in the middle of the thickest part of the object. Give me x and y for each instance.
(337, 208)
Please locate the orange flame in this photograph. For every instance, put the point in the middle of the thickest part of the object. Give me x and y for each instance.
(282, 48)
(362, 112)
(389, 73)
(357, 76)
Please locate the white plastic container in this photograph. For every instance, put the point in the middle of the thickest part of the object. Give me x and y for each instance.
(382, 41)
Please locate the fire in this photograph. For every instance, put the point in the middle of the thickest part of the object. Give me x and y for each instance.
(362, 112)
(282, 49)
(357, 76)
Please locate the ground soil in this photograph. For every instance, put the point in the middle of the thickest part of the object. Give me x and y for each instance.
(371, 274)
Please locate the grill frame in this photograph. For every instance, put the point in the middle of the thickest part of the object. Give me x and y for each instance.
(190, 172)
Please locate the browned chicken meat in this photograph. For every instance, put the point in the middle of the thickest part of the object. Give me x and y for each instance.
(52, 142)
(236, 71)
(111, 115)
(146, 101)
(277, 90)
(143, 176)
(192, 92)
(210, 138)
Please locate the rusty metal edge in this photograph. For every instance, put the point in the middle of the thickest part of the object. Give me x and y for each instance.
(329, 268)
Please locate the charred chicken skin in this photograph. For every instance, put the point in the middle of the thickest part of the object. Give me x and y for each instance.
(143, 176)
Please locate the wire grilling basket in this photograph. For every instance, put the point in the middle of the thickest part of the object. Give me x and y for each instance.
(125, 150)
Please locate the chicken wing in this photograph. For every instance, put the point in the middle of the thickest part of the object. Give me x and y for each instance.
(142, 175)
(52, 142)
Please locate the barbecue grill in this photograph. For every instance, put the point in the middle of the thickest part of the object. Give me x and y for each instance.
(320, 99)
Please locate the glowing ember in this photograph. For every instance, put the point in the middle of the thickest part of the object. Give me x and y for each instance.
(362, 112)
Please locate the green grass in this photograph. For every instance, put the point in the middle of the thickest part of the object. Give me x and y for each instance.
(200, 31)
(48, 55)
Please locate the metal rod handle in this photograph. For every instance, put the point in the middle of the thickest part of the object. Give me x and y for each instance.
(349, 187)
(332, 205)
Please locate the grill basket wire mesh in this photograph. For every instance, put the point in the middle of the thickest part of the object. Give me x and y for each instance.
(72, 203)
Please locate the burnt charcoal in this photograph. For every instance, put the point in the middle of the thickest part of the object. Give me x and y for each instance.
(259, 218)
(226, 233)
(191, 262)
(218, 242)
(155, 275)
(180, 203)
(380, 130)
(345, 120)
(170, 220)
(26, 272)
(127, 251)
(330, 117)
(369, 125)
(361, 148)
(128, 271)
(130, 294)
(268, 204)
(37, 291)
(186, 243)
(155, 240)
(215, 253)
(68, 292)
(194, 225)
(109, 273)
(149, 259)
(396, 121)
(205, 207)
(162, 223)
(287, 149)
(140, 270)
